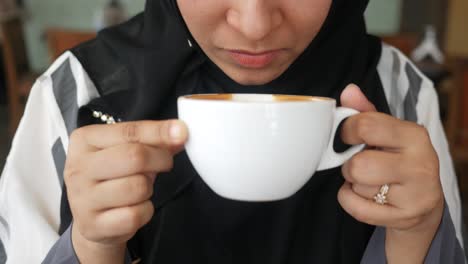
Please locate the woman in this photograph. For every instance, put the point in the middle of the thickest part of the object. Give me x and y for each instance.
(131, 193)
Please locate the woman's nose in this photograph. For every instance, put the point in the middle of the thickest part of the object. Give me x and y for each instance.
(255, 19)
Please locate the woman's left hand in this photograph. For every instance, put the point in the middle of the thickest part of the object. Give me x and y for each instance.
(401, 155)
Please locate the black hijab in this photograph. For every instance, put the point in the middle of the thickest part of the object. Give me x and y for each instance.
(153, 64)
(154, 49)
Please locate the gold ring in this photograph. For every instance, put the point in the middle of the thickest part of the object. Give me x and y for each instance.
(381, 196)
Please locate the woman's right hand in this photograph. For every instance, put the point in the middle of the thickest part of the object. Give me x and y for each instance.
(109, 174)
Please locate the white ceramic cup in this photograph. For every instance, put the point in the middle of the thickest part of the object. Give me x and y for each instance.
(257, 147)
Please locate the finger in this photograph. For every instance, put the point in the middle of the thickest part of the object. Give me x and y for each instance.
(365, 191)
(380, 130)
(123, 221)
(367, 211)
(167, 133)
(373, 167)
(151, 176)
(398, 195)
(127, 159)
(131, 190)
(353, 97)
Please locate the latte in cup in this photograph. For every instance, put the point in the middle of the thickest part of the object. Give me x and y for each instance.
(261, 147)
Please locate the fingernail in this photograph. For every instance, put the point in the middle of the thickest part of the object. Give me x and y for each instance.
(355, 86)
(175, 131)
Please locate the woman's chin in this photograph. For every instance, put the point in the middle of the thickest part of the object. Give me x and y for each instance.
(253, 76)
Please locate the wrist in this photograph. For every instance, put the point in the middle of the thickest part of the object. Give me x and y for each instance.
(92, 252)
(411, 245)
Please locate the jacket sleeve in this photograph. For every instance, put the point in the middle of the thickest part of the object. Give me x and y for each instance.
(63, 252)
(30, 188)
(429, 117)
(32, 179)
(444, 249)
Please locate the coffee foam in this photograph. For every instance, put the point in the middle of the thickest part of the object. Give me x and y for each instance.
(256, 97)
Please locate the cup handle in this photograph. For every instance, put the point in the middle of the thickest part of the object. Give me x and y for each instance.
(331, 159)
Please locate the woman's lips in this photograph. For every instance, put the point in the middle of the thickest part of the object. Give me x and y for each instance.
(253, 60)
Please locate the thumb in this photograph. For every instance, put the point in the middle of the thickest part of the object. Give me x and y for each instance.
(353, 97)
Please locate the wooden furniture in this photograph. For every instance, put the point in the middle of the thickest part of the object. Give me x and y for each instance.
(456, 127)
(59, 40)
(460, 134)
(405, 42)
(19, 77)
(457, 48)
(417, 14)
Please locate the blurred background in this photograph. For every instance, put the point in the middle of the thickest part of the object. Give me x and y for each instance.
(433, 33)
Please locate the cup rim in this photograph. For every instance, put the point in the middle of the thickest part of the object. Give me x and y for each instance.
(225, 97)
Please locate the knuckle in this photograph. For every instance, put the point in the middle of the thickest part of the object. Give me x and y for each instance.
(427, 171)
(409, 222)
(424, 138)
(344, 171)
(435, 162)
(423, 133)
(408, 214)
(88, 234)
(131, 219)
(137, 156)
(365, 125)
(167, 162)
(71, 173)
(415, 221)
(170, 164)
(438, 197)
(421, 208)
(139, 187)
(162, 130)
(359, 189)
(150, 212)
(151, 209)
(130, 132)
(361, 215)
(88, 230)
(149, 192)
(68, 175)
(356, 165)
(432, 201)
(77, 135)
